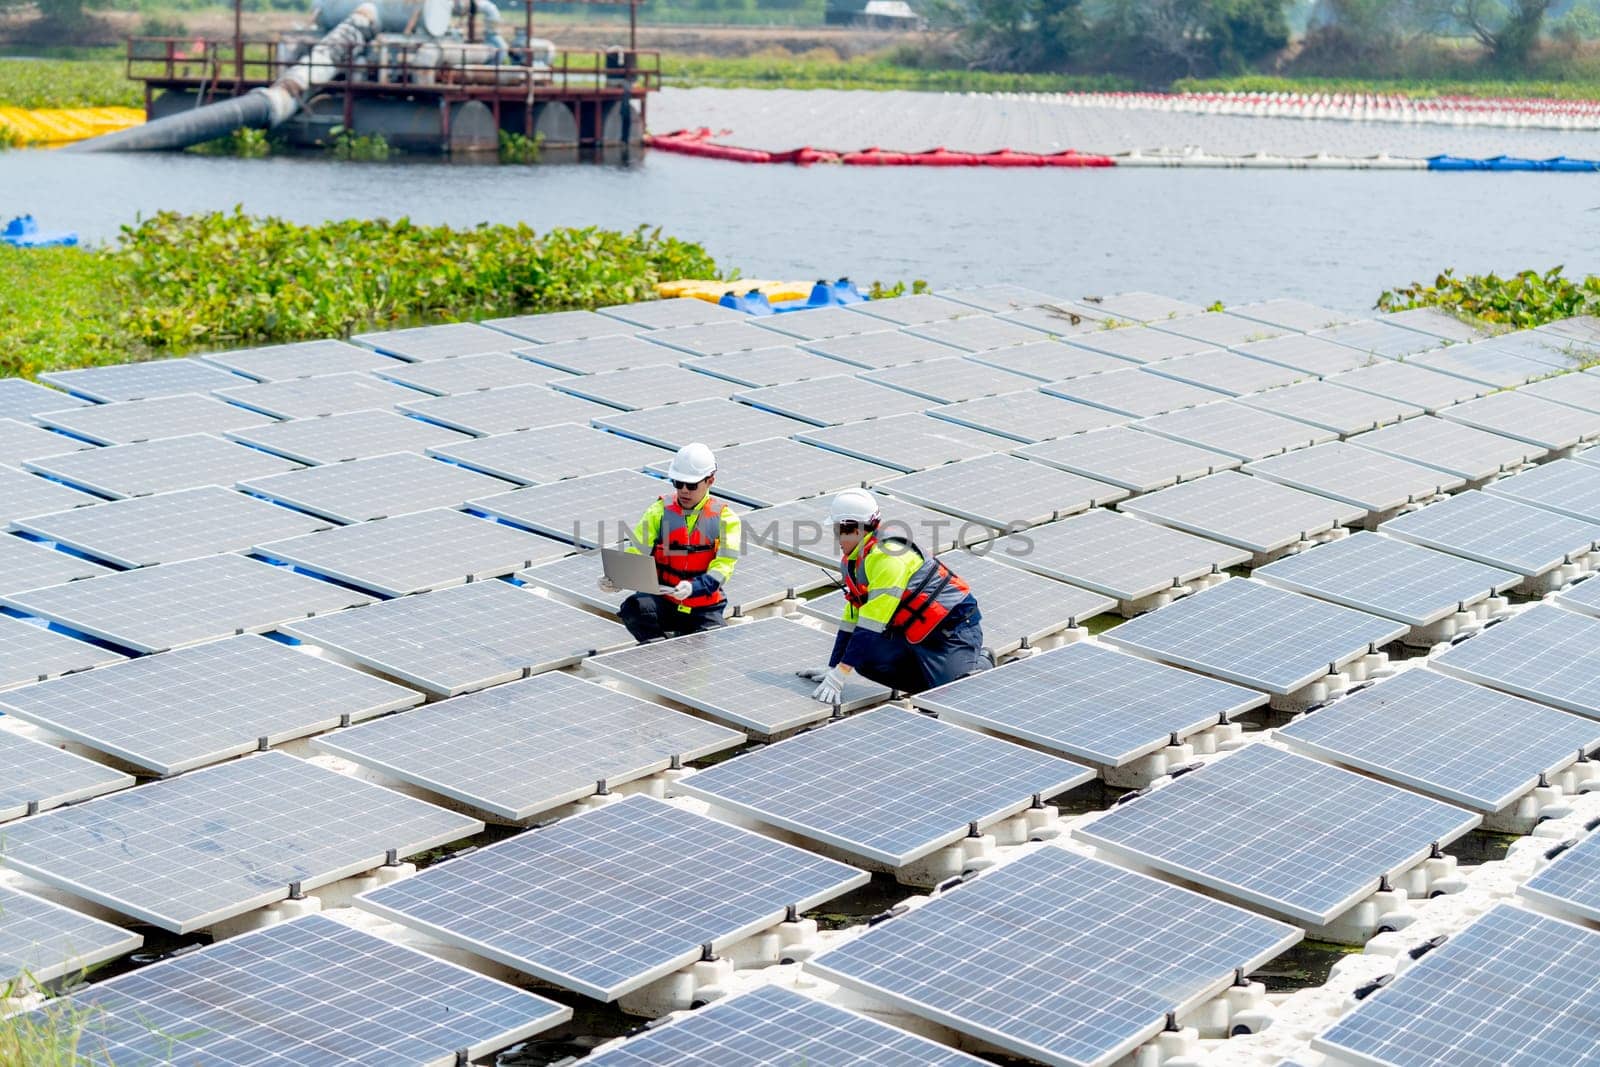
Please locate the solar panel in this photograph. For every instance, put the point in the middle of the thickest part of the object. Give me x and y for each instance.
(772, 1026)
(152, 609)
(1332, 407)
(762, 577)
(1482, 363)
(1292, 314)
(23, 495)
(304, 359)
(834, 400)
(1017, 605)
(1569, 884)
(1435, 322)
(906, 442)
(444, 341)
(1313, 355)
(21, 399)
(41, 941)
(523, 748)
(27, 564)
(1057, 957)
(764, 473)
(819, 324)
(1140, 344)
(457, 640)
(1250, 513)
(888, 786)
(1430, 390)
(1575, 390)
(999, 297)
(979, 333)
(556, 326)
(550, 453)
(913, 309)
(608, 901)
(716, 423)
(1226, 372)
(1116, 555)
(1029, 416)
(1061, 319)
(1133, 392)
(1563, 486)
(715, 338)
(1527, 418)
(1502, 533)
(1379, 339)
(160, 466)
(220, 841)
(184, 709)
(40, 776)
(132, 421)
(1387, 577)
(1552, 350)
(645, 387)
(313, 990)
(802, 528)
(1003, 491)
(1090, 703)
(1138, 462)
(1251, 633)
(168, 527)
(1450, 447)
(676, 311)
(1447, 738)
(1575, 327)
(22, 441)
(311, 398)
(467, 374)
(1541, 654)
(415, 553)
(355, 435)
(1049, 361)
(595, 510)
(947, 381)
(376, 488)
(1141, 306)
(1237, 429)
(599, 355)
(1512, 989)
(30, 653)
(888, 348)
(1221, 328)
(504, 410)
(743, 675)
(768, 366)
(1223, 827)
(141, 381)
(1371, 481)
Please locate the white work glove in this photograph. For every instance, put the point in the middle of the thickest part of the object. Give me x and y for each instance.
(831, 688)
(812, 674)
(680, 591)
(607, 585)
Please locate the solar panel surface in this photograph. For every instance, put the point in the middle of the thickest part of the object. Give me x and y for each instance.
(1540, 654)
(1371, 482)
(1139, 462)
(375, 488)
(132, 421)
(355, 435)
(160, 466)
(41, 775)
(41, 941)
(1496, 531)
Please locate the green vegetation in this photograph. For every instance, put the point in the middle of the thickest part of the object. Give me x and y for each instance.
(36, 83)
(897, 69)
(365, 147)
(1521, 301)
(515, 148)
(175, 283)
(243, 143)
(879, 291)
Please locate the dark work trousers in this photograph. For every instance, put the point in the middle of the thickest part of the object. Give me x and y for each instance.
(951, 652)
(648, 616)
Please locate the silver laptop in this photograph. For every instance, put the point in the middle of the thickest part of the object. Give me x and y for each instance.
(629, 570)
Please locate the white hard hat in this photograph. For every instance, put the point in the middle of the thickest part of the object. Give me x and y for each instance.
(854, 505)
(693, 463)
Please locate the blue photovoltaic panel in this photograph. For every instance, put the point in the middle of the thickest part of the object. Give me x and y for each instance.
(504, 410)
(594, 510)
(217, 842)
(303, 359)
(1221, 328)
(1514, 989)
(608, 901)
(21, 441)
(1237, 429)
(889, 786)
(21, 399)
(1562, 485)
(999, 297)
(818, 324)
(1250, 633)
(1004, 492)
(645, 387)
(1057, 957)
(133, 421)
(555, 326)
(160, 466)
(1314, 355)
(354, 435)
(675, 311)
(1576, 390)
(775, 1027)
(1293, 314)
(525, 747)
(715, 423)
(30, 653)
(312, 398)
(1141, 306)
(1370, 481)
(913, 309)
(1570, 884)
(1544, 654)
(1250, 513)
(1524, 417)
(1140, 344)
(947, 381)
(1496, 531)
(714, 338)
(1451, 447)
(1450, 739)
(1481, 362)
(1134, 392)
(309, 991)
(1049, 361)
(551, 453)
(767, 366)
(1333, 407)
(375, 488)
(906, 442)
(882, 348)
(1090, 703)
(1388, 577)
(443, 341)
(28, 564)
(1226, 372)
(597, 355)
(1139, 462)
(1225, 827)
(1027, 416)
(1430, 390)
(43, 776)
(1380, 339)
(834, 400)
(468, 374)
(1582, 597)
(1436, 322)
(23, 495)
(141, 381)
(41, 941)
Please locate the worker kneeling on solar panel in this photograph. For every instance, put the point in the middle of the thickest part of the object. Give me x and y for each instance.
(910, 622)
(694, 541)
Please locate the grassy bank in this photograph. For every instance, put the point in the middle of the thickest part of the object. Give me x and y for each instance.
(176, 283)
(825, 70)
(33, 83)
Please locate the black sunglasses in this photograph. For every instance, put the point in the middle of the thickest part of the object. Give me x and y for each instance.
(687, 485)
(847, 526)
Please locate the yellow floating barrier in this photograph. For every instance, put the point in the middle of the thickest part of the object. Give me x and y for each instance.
(711, 291)
(61, 125)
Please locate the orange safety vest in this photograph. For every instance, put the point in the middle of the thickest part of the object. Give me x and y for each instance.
(684, 554)
(932, 593)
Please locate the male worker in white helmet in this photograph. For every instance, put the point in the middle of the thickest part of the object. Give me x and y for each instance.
(909, 622)
(695, 541)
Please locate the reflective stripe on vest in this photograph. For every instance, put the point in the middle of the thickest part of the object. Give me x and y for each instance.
(932, 592)
(684, 554)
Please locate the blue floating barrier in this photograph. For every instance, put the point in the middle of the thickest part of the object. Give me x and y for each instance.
(24, 232)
